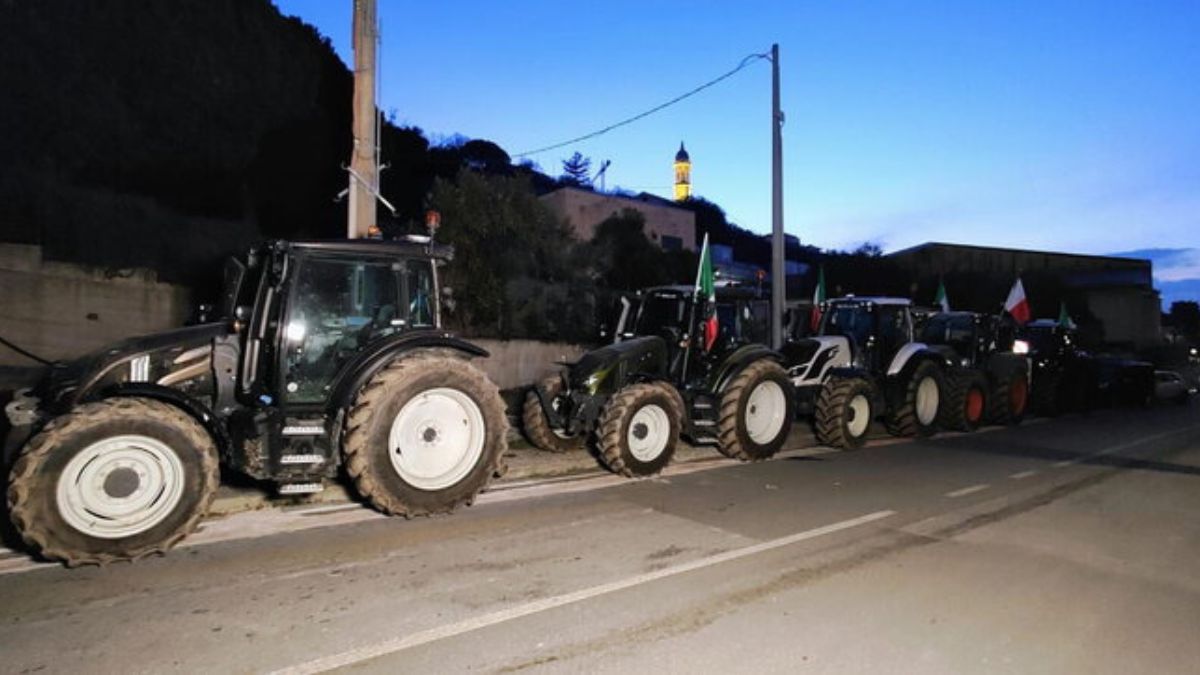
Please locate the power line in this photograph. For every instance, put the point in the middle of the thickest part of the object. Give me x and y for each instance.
(745, 62)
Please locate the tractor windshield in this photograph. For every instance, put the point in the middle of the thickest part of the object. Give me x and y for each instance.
(850, 320)
(659, 314)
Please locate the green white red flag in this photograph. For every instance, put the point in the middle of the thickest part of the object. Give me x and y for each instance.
(1016, 304)
(706, 288)
(941, 300)
(818, 298)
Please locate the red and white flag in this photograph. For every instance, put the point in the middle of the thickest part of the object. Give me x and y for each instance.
(1016, 304)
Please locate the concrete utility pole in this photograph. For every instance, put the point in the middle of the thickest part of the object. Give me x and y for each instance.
(364, 159)
(778, 278)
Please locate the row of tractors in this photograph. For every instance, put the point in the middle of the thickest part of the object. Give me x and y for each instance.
(871, 359)
(328, 360)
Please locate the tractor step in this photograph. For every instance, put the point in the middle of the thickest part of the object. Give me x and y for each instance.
(301, 488)
(302, 459)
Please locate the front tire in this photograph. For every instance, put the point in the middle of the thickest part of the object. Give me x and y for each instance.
(425, 435)
(118, 479)
(756, 412)
(844, 412)
(639, 430)
(917, 412)
(537, 426)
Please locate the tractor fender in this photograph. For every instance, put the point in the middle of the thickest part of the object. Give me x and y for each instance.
(355, 373)
(187, 404)
(909, 355)
(735, 362)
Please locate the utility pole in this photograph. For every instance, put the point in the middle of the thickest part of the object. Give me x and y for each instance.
(778, 278)
(364, 159)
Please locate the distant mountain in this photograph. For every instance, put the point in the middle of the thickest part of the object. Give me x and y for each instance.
(164, 134)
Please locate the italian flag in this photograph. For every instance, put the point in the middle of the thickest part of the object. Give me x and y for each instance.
(940, 299)
(1064, 319)
(706, 288)
(1016, 304)
(818, 298)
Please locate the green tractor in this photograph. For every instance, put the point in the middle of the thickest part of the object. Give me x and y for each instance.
(661, 379)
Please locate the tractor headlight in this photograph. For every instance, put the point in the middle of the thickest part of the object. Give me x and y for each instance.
(1020, 347)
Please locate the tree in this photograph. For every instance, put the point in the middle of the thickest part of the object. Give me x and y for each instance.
(502, 234)
(1185, 317)
(576, 169)
(622, 258)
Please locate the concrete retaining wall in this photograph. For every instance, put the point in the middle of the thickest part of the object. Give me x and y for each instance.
(58, 310)
(520, 363)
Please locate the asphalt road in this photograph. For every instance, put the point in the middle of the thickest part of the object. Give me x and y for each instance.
(1057, 547)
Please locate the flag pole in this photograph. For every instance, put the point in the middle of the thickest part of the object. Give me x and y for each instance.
(691, 325)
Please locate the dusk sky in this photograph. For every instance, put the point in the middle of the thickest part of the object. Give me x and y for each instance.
(1071, 126)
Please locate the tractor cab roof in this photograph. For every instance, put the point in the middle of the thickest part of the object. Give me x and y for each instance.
(724, 292)
(409, 247)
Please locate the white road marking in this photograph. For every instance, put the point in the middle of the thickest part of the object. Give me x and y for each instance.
(1023, 474)
(1066, 463)
(401, 643)
(969, 490)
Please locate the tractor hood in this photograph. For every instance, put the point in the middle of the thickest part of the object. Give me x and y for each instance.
(168, 353)
(605, 370)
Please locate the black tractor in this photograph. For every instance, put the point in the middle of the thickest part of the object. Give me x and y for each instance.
(660, 380)
(1066, 377)
(327, 357)
(863, 363)
(987, 379)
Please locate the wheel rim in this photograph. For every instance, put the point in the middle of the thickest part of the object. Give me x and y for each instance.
(927, 401)
(974, 404)
(859, 415)
(649, 431)
(766, 411)
(120, 486)
(1018, 396)
(436, 439)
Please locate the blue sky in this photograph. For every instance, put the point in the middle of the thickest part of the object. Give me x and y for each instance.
(1069, 126)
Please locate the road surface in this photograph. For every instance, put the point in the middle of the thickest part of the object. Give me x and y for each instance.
(1062, 546)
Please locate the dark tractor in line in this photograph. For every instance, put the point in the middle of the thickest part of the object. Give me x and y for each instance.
(328, 357)
(635, 397)
(1066, 377)
(987, 380)
(864, 363)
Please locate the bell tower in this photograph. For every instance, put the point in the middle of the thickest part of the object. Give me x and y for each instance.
(683, 174)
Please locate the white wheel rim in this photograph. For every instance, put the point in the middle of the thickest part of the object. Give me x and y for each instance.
(120, 486)
(766, 411)
(649, 431)
(436, 439)
(927, 400)
(859, 417)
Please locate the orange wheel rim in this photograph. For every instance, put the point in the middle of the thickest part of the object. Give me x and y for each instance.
(974, 405)
(1018, 395)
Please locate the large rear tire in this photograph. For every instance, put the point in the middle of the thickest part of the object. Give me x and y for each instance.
(537, 426)
(425, 435)
(118, 479)
(844, 412)
(1009, 399)
(965, 402)
(639, 430)
(917, 411)
(756, 412)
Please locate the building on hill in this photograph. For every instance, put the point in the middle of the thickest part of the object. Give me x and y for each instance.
(669, 226)
(683, 174)
(1118, 292)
